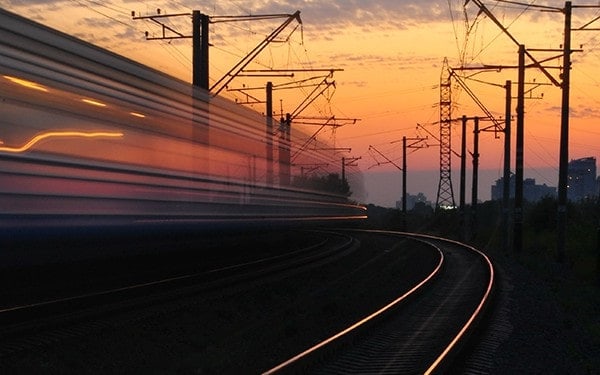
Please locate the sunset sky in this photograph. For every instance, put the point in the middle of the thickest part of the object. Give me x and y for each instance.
(390, 55)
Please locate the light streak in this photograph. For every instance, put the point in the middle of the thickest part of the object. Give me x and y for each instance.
(136, 114)
(56, 134)
(93, 102)
(25, 83)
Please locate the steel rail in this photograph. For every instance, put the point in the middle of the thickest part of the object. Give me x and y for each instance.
(361, 323)
(208, 278)
(447, 352)
(474, 316)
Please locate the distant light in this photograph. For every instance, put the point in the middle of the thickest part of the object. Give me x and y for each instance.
(93, 102)
(140, 115)
(25, 83)
(447, 207)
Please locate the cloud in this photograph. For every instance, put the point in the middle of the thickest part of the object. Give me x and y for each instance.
(582, 111)
(356, 83)
(34, 9)
(576, 110)
(335, 13)
(322, 20)
(21, 3)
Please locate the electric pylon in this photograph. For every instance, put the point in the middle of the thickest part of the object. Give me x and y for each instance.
(445, 195)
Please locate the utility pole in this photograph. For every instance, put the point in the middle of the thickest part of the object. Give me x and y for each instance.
(506, 130)
(506, 181)
(403, 183)
(563, 168)
(200, 49)
(518, 214)
(475, 182)
(564, 84)
(385, 157)
(348, 162)
(318, 89)
(463, 162)
(269, 132)
(445, 120)
(416, 143)
(463, 172)
(507, 149)
(200, 52)
(199, 38)
(285, 150)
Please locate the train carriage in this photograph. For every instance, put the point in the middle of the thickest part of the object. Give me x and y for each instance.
(88, 137)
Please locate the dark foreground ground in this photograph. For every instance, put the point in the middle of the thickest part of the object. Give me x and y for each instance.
(538, 334)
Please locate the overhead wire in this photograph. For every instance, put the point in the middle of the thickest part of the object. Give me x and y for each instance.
(83, 3)
(523, 10)
(290, 61)
(126, 14)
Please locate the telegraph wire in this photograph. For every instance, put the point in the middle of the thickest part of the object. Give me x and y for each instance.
(126, 13)
(523, 10)
(453, 25)
(521, 4)
(82, 3)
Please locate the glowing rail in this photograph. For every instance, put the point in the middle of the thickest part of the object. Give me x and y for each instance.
(361, 323)
(475, 299)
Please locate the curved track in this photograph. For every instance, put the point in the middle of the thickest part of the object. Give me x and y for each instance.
(265, 312)
(421, 331)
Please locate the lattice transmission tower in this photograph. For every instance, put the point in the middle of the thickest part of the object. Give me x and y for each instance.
(445, 195)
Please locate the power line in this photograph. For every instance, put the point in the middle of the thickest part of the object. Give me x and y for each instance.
(82, 3)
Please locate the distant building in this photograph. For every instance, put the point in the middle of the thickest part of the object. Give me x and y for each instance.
(531, 191)
(582, 183)
(412, 200)
(498, 188)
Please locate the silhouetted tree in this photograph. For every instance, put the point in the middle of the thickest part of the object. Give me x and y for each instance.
(331, 183)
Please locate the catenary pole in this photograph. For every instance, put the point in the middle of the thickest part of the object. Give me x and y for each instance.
(269, 132)
(506, 182)
(564, 139)
(518, 214)
(475, 182)
(200, 49)
(463, 172)
(404, 177)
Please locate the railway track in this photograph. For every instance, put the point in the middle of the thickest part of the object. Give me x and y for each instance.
(252, 323)
(45, 312)
(419, 332)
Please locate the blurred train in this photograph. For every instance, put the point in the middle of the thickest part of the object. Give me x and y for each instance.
(90, 138)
